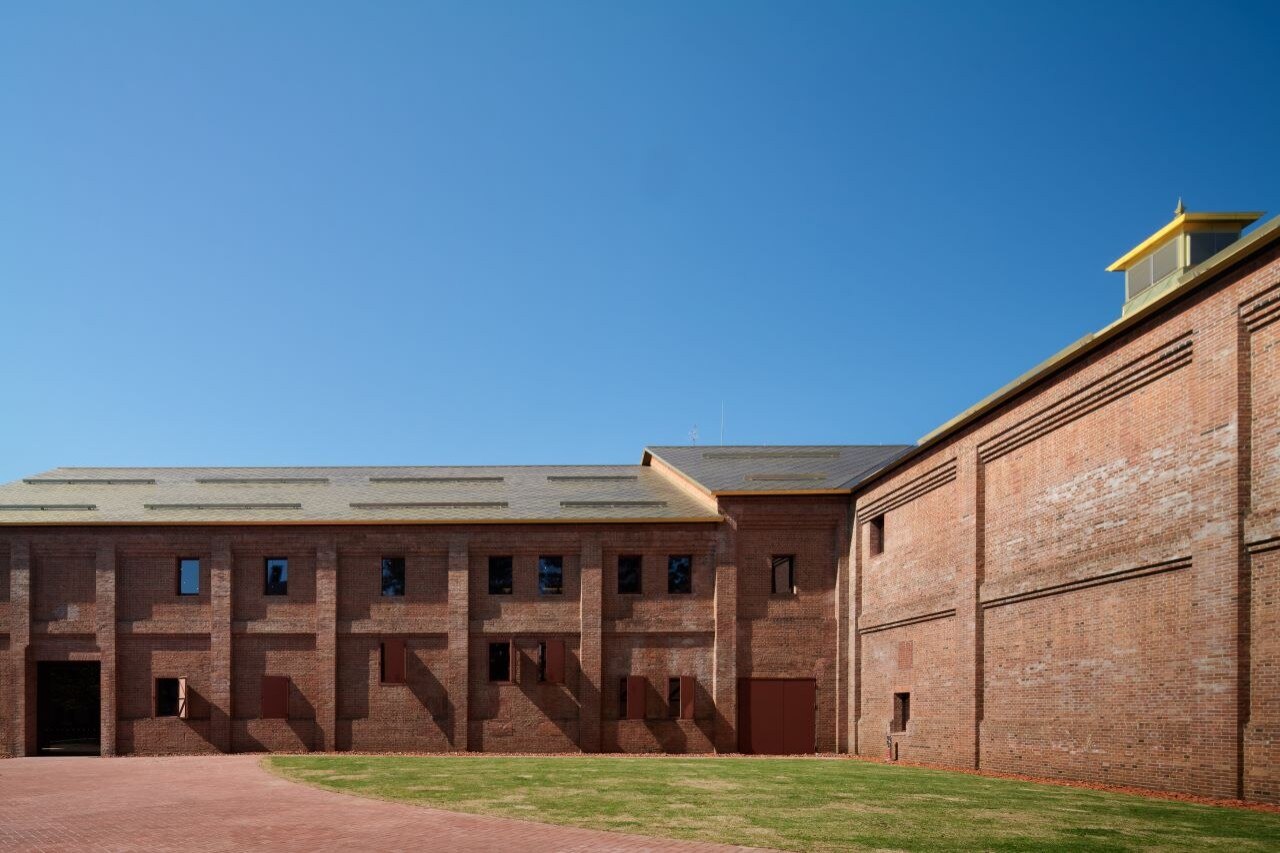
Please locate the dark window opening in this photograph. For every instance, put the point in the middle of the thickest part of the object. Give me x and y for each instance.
(901, 711)
(550, 575)
(876, 529)
(499, 661)
(542, 661)
(680, 574)
(500, 575)
(392, 576)
(391, 662)
(629, 575)
(188, 576)
(166, 697)
(783, 580)
(277, 582)
(673, 698)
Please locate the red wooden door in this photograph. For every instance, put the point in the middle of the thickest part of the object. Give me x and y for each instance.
(776, 715)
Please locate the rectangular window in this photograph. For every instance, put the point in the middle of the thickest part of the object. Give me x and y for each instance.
(275, 697)
(876, 539)
(392, 577)
(500, 661)
(784, 576)
(551, 661)
(166, 697)
(392, 661)
(901, 711)
(629, 575)
(673, 698)
(635, 697)
(680, 574)
(277, 579)
(188, 576)
(550, 575)
(500, 575)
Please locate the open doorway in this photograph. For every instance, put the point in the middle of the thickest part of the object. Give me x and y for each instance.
(68, 697)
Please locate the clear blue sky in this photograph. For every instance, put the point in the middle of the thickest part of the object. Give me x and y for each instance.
(467, 233)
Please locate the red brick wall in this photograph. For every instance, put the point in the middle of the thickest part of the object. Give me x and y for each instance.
(657, 658)
(409, 717)
(142, 658)
(1062, 563)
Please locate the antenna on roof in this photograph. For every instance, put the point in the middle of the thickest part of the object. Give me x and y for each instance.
(693, 435)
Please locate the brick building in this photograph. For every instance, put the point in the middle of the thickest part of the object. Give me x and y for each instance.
(1080, 576)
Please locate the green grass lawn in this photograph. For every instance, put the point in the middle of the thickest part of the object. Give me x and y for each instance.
(792, 804)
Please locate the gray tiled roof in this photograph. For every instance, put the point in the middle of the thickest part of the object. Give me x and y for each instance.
(758, 468)
(370, 495)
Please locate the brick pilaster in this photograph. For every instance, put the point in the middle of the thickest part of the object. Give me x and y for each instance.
(220, 662)
(327, 646)
(968, 621)
(458, 687)
(105, 627)
(725, 677)
(590, 657)
(19, 647)
(844, 567)
(855, 639)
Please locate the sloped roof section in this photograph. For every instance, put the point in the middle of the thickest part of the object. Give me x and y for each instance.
(760, 469)
(373, 495)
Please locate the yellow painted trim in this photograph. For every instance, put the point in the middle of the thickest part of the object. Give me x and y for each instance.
(646, 460)
(1177, 223)
(361, 522)
(742, 492)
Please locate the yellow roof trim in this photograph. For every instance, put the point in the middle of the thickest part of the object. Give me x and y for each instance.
(735, 493)
(1178, 223)
(702, 519)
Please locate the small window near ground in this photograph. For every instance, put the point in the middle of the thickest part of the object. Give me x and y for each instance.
(500, 575)
(901, 711)
(629, 575)
(188, 576)
(550, 575)
(277, 581)
(166, 697)
(784, 579)
(673, 698)
(393, 658)
(392, 577)
(499, 661)
(876, 539)
(680, 574)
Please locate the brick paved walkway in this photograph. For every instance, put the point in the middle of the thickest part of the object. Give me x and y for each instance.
(230, 803)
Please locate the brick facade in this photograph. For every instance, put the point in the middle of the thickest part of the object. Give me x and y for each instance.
(1082, 581)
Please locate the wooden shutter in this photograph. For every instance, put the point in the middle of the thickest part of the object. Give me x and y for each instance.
(687, 691)
(182, 698)
(275, 697)
(635, 697)
(393, 661)
(555, 661)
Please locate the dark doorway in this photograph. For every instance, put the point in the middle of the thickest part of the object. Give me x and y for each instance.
(777, 716)
(68, 696)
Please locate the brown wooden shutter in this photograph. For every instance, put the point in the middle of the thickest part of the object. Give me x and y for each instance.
(393, 661)
(687, 690)
(275, 697)
(555, 661)
(635, 697)
(182, 698)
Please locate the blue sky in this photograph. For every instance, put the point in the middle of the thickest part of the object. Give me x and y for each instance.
(427, 233)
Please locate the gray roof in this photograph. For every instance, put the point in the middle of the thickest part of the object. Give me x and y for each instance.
(762, 468)
(352, 495)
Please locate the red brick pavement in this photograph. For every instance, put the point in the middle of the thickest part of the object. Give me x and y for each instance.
(206, 803)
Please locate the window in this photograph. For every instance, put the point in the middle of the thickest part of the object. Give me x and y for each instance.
(550, 575)
(680, 574)
(673, 698)
(170, 698)
(784, 577)
(275, 697)
(551, 661)
(392, 660)
(392, 576)
(680, 692)
(901, 711)
(876, 530)
(188, 576)
(277, 582)
(499, 575)
(629, 575)
(500, 661)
